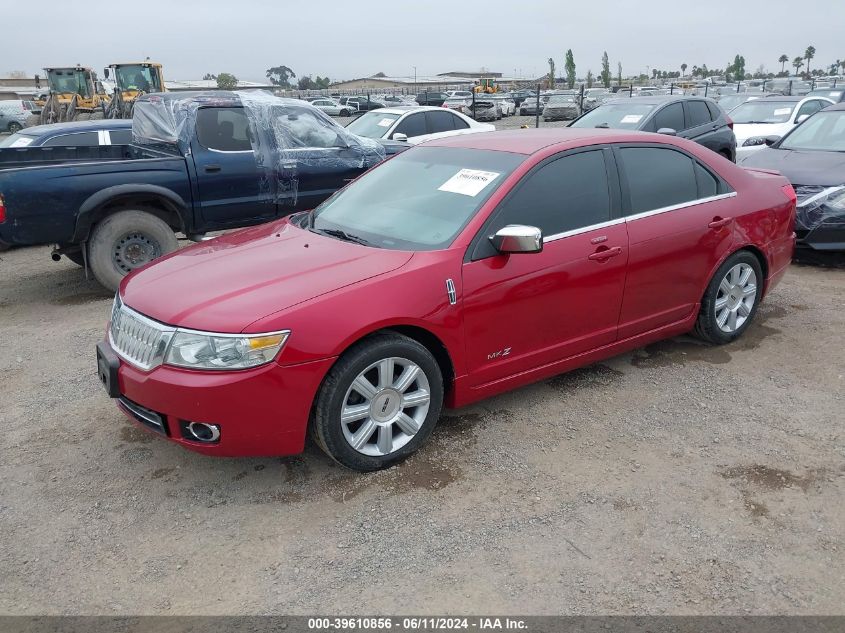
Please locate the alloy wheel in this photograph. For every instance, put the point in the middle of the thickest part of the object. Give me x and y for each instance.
(736, 297)
(385, 406)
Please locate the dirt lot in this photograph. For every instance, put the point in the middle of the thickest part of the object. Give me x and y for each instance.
(679, 479)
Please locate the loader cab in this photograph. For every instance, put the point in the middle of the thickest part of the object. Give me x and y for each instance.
(71, 81)
(134, 79)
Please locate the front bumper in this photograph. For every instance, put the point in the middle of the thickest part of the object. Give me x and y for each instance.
(742, 152)
(825, 237)
(261, 412)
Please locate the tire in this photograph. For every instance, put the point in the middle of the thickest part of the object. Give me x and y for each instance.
(374, 428)
(127, 240)
(345, 113)
(14, 127)
(726, 308)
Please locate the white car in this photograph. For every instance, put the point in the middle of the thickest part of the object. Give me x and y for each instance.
(415, 124)
(332, 107)
(770, 116)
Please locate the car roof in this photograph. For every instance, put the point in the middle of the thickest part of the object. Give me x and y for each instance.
(403, 109)
(661, 99)
(533, 140)
(78, 126)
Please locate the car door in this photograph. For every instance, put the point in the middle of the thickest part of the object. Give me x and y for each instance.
(440, 123)
(808, 108)
(678, 215)
(231, 188)
(522, 311)
(670, 116)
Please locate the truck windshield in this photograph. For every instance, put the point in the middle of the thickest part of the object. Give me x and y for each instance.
(137, 77)
(418, 201)
(69, 80)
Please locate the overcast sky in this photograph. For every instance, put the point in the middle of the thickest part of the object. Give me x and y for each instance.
(352, 39)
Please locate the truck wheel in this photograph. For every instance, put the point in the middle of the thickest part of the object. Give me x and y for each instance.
(127, 240)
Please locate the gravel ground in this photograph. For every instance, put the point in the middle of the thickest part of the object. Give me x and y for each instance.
(679, 479)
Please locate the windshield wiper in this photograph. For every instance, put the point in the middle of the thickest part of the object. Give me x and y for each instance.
(604, 126)
(342, 235)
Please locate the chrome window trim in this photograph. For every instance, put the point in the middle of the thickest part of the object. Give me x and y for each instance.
(583, 229)
(682, 205)
(644, 214)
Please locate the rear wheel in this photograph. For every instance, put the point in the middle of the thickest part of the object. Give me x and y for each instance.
(731, 299)
(344, 113)
(14, 127)
(379, 403)
(125, 241)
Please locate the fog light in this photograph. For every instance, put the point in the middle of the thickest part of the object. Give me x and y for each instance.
(200, 432)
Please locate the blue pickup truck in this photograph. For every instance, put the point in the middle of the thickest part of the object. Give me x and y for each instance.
(199, 162)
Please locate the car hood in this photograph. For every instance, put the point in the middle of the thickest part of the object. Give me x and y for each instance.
(744, 131)
(801, 167)
(227, 283)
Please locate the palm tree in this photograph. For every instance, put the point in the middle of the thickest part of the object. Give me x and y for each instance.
(842, 65)
(808, 55)
(683, 69)
(798, 62)
(783, 59)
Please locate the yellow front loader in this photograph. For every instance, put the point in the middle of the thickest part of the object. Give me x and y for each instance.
(131, 81)
(74, 94)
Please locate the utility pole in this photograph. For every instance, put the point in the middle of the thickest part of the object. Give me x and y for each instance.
(415, 78)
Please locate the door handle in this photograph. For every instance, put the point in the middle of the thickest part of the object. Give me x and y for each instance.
(605, 253)
(211, 168)
(718, 222)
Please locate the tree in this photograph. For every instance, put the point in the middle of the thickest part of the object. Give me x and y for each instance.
(842, 65)
(683, 69)
(209, 77)
(570, 68)
(306, 83)
(783, 59)
(605, 70)
(280, 76)
(808, 55)
(551, 80)
(738, 67)
(798, 62)
(227, 81)
(619, 73)
(590, 79)
(322, 82)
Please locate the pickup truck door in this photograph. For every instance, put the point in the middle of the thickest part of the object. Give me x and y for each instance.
(232, 190)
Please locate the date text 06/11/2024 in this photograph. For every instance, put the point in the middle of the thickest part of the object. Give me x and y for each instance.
(416, 624)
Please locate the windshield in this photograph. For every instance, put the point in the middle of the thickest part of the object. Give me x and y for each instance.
(17, 140)
(824, 131)
(69, 80)
(561, 100)
(763, 111)
(372, 124)
(137, 77)
(728, 103)
(623, 116)
(419, 200)
(834, 95)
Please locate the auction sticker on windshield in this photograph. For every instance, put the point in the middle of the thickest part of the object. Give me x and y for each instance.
(632, 118)
(21, 142)
(468, 182)
(385, 122)
(781, 111)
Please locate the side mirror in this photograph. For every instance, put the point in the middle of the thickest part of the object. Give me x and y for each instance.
(400, 137)
(802, 118)
(667, 131)
(771, 140)
(517, 238)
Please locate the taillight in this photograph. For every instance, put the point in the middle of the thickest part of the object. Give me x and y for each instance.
(2, 210)
(730, 121)
(789, 192)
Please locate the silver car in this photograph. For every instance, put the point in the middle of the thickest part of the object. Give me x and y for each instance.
(333, 108)
(561, 108)
(14, 115)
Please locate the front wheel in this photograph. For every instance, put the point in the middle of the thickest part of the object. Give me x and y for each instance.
(731, 299)
(125, 241)
(15, 127)
(379, 403)
(344, 113)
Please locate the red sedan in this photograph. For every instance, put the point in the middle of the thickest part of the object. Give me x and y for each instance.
(455, 271)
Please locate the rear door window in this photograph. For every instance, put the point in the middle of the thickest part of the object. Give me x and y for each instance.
(658, 177)
(223, 129)
(440, 121)
(459, 123)
(697, 114)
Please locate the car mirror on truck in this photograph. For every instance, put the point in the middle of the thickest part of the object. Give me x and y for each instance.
(518, 238)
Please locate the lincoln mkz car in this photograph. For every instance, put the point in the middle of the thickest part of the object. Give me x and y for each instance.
(452, 272)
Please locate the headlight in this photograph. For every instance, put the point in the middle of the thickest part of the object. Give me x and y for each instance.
(754, 140)
(204, 350)
(826, 207)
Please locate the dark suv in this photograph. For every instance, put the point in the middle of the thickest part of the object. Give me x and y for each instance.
(430, 98)
(695, 118)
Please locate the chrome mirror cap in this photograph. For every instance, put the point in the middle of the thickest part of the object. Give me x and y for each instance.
(517, 238)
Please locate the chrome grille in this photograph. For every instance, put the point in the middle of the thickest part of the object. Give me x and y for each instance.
(137, 339)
